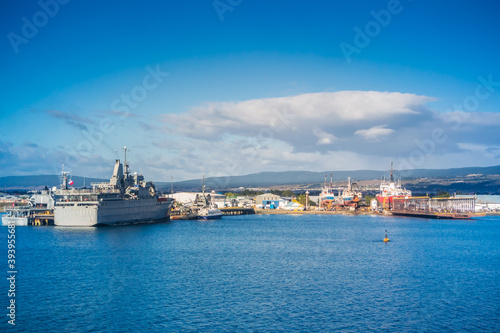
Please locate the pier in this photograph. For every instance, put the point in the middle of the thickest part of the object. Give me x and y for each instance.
(227, 211)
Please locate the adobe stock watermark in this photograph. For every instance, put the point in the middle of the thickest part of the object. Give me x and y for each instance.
(484, 89)
(223, 6)
(277, 123)
(124, 104)
(372, 29)
(30, 26)
(11, 273)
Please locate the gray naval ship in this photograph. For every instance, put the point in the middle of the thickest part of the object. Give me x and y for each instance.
(126, 199)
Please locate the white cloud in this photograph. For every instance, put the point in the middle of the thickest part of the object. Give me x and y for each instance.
(324, 138)
(308, 121)
(472, 147)
(375, 133)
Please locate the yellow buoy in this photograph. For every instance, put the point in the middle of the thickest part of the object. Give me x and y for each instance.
(386, 239)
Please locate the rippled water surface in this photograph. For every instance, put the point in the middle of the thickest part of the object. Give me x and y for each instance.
(260, 273)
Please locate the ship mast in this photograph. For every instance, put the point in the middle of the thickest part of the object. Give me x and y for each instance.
(392, 176)
(126, 164)
(64, 178)
(203, 186)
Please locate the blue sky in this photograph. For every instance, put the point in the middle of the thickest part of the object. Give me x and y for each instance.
(234, 87)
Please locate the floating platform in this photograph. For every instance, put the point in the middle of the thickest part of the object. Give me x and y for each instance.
(440, 208)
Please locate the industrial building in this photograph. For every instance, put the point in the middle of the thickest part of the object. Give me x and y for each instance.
(267, 200)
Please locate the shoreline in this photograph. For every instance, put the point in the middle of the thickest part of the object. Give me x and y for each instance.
(327, 212)
(313, 212)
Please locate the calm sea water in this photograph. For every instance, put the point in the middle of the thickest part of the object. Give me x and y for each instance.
(259, 273)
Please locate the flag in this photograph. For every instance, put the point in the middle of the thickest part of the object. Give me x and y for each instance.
(13, 204)
(71, 182)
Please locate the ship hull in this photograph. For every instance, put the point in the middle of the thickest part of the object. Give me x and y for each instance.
(210, 217)
(113, 212)
(448, 216)
(383, 199)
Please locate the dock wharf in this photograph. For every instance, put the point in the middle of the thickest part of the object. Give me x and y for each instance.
(437, 208)
(237, 211)
(42, 218)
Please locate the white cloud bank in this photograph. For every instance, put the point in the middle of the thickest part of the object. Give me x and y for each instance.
(344, 130)
(336, 130)
(319, 121)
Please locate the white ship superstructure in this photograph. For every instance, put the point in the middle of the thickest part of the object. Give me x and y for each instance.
(125, 199)
(390, 190)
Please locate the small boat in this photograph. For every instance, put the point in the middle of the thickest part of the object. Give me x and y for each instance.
(210, 213)
(205, 208)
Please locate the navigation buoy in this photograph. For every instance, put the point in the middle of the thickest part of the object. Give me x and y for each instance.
(386, 239)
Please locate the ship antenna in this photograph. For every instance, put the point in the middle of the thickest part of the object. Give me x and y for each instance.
(331, 179)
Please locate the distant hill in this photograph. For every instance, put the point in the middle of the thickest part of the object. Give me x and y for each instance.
(40, 181)
(261, 179)
(264, 179)
(454, 172)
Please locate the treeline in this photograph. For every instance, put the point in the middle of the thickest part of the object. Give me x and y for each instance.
(245, 193)
(302, 200)
(253, 193)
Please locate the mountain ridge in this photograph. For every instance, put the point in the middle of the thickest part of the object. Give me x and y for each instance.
(270, 178)
(261, 179)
